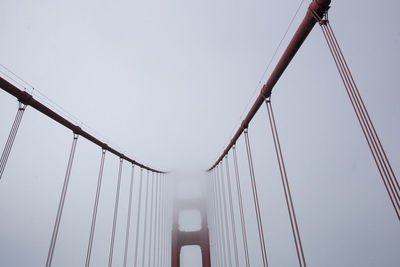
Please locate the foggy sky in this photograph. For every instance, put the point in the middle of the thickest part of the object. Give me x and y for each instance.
(167, 82)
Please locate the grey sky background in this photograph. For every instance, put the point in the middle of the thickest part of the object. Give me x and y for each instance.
(167, 82)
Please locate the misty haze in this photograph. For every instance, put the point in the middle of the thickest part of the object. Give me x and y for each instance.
(195, 134)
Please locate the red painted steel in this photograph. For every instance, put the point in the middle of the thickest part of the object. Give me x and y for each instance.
(317, 6)
(181, 238)
(27, 99)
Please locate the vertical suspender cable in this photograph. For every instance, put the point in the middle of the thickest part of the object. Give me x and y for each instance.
(145, 220)
(223, 195)
(160, 245)
(138, 218)
(110, 258)
(255, 199)
(381, 160)
(160, 224)
(370, 134)
(128, 223)
(210, 217)
(159, 242)
(221, 223)
(61, 203)
(286, 188)
(167, 232)
(156, 220)
(168, 216)
(228, 178)
(11, 137)
(163, 237)
(242, 221)
(216, 221)
(96, 204)
(151, 251)
(221, 255)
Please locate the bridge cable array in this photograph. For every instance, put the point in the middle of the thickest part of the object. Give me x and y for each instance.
(217, 174)
(157, 239)
(378, 153)
(221, 226)
(316, 11)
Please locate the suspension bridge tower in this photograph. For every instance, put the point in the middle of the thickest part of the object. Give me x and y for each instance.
(181, 238)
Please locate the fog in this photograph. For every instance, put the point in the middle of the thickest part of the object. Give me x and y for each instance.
(167, 83)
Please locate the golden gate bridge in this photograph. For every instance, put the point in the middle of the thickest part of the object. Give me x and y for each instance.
(218, 213)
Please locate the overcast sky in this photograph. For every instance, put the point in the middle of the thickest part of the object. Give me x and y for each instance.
(166, 82)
